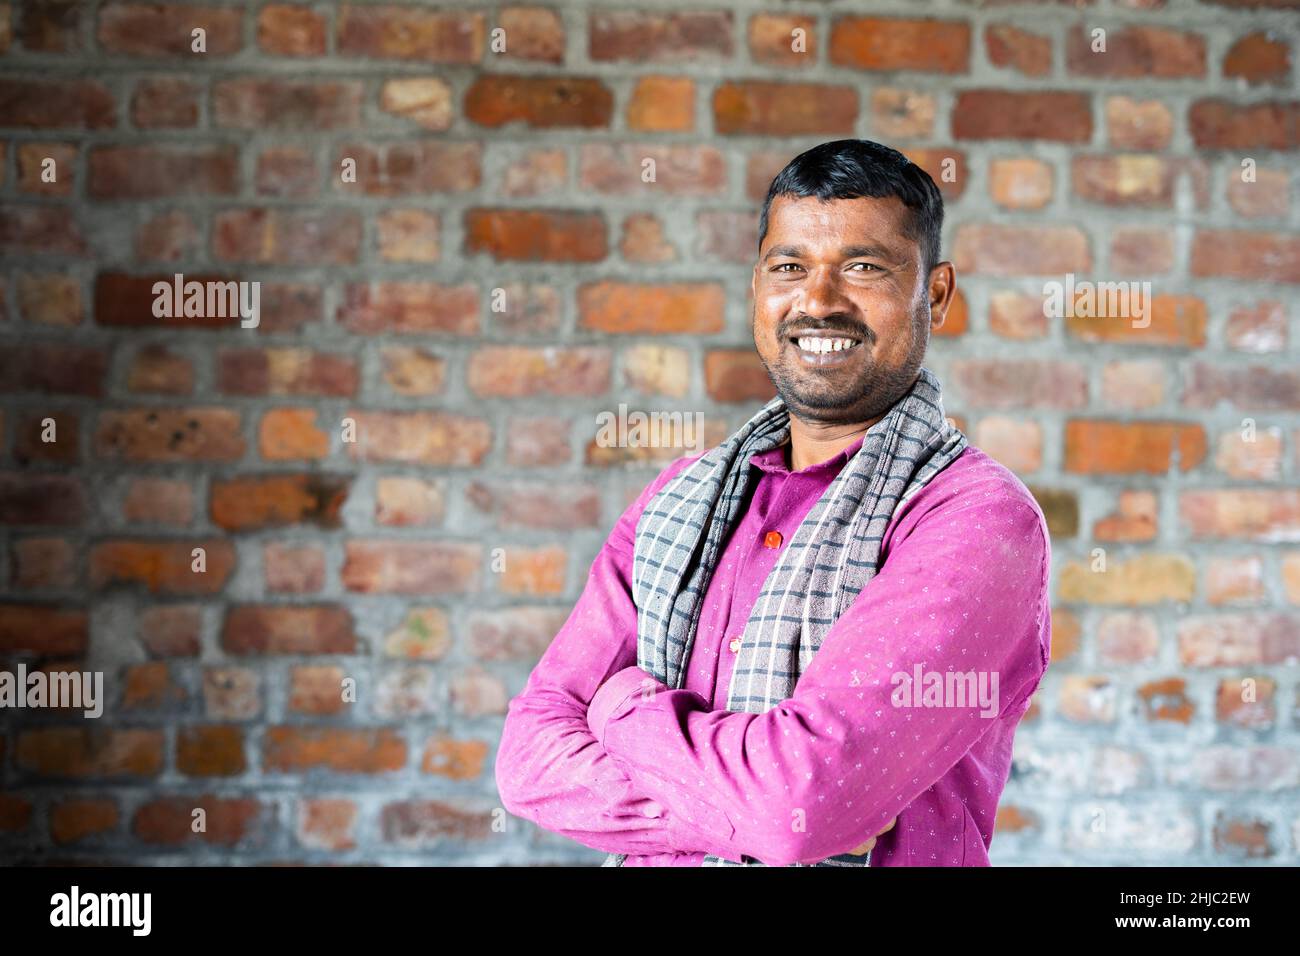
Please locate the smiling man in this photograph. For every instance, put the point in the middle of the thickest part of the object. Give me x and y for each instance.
(811, 644)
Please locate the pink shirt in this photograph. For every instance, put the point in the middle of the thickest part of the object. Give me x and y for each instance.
(593, 748)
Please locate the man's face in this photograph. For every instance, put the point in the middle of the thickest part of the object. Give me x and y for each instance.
(842, 310)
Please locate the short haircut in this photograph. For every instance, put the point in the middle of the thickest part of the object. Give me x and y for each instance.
(858, 168)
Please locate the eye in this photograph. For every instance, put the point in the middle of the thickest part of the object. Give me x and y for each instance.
(868, 265)
(782, 265)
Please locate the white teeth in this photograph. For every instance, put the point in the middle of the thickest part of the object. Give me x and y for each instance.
(818, 344)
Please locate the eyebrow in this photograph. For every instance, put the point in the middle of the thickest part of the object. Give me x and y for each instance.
(847, 252)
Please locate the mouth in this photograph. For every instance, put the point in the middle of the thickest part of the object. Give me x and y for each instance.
(821, 348)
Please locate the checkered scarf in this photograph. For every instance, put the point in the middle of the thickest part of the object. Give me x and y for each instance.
(832, 556)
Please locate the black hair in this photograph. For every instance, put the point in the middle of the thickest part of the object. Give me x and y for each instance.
(857, 168)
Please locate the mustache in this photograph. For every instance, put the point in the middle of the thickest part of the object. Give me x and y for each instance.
(845, 329)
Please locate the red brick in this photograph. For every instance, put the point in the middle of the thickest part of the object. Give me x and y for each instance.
(283, 237)
(535, 33)
(150, 172)
(541, 171)
(171, 630)
(288, 569)
(285, 29)
(772, 36)
(552, 507)
(1261, 327)
(1258, 58)
(101, 752)
(407, 235)
(429, 438)
(633, 36)
(757, 108)
(56, 104)
(170, 434)
(40, 230)
(425, 100)
(513, 634)
(1020, 183)
(1021, 383)
(51, 368)
(1138, 124)
(406, 502)
(402, 169)
(726, 236)
(1173, 320)
(1001, 114)
(53, 26)
(410, 33)
(1107, 447)
(394, 566)
(1248, 387)
(286, 306)
(287, 172)
(539, 102)
(74, 819)
(128, 300)
(516, 372)
(736, 375)
(1266, 197)
(1007, 250)
(165, 103)
(169, 821)
(678, 170)
(1136, 52)
(936, 163)
(167, 237)
(286, 105)
(49, 299)
(41, 499)
(251, 503)
(159, 501)
(288, 629)
(409, 307)
(901, 114)
(871, 43)
(412, 371)
(1141, 251)
(155, 369)
(147, 29)
(43, 563)
(517, 235)
(1010, 47)
(1239, 254)
(538, 442)
(30, 432)
(286, 371)
(327, 824)
(1125, 180)
(454, 759)
(643, 240)
(210, 751)
(32, 165)
(1167, 700)
(301, 749)
(43, 630)
(417, 824)
(625, 308)
(162, 566)
(1221, 124)
(291, 434)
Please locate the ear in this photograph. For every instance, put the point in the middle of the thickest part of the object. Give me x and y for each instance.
(942, 287)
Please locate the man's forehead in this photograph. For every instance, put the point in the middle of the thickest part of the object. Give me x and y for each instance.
(807, 218)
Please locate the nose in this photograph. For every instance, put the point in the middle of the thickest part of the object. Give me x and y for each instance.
(822, 297)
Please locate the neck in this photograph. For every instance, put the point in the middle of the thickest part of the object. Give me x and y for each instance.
(812, 443)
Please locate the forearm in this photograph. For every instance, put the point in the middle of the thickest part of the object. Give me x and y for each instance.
(552, 771)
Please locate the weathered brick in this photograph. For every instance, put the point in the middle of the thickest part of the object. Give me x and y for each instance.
(1021, 383)
(288, 629)
(539, 102)
(81, 753)
(249, 503)
(410, 33)
(634, 36)
(256, 104)
(517, 235)
(678, 170)
(429, 438)
(618, 307)
(392, 566)
(1007, 46)
(42, 629)
(411, 168)
(162, 566)
(56, 104)
(1001, 114)
(150, 172)
(157, 29)
(409, 307)
(337, 750)
(1007, 250)
(285, 29)
(286, 371)
(1248, 513)
(877, 43)
(282, 237)
(170, 434)
(515, 372)
(1095, 447)
(41, 499)
(1136, 52)
(764, 108)
(165, 102)
(169, 821)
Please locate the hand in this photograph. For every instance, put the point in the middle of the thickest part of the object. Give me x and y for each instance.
(867, 847)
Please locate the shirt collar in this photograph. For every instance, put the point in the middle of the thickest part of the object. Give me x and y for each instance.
(773, 461)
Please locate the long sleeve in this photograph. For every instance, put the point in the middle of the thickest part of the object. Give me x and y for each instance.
(549, 767)
(964, 592)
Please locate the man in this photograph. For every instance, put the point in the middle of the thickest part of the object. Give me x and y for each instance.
(823, 632)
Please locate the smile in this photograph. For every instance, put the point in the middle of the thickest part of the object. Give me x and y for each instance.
(822, 349)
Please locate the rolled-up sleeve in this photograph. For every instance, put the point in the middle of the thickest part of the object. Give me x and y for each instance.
(961, 602)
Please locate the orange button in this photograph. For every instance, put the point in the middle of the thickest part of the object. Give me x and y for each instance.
(772, 539)
(735, 645)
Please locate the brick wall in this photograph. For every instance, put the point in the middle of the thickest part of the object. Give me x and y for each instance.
(394, 478)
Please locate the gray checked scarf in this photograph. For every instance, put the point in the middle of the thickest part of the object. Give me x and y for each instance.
(830, 559)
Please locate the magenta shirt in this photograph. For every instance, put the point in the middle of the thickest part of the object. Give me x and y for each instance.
(593, 748)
